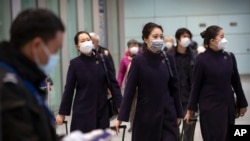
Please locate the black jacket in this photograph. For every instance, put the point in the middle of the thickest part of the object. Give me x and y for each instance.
(184, 65)
(22, 118)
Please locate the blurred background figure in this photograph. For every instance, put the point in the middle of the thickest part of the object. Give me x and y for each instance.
(133, 50)
(99, 49)
(193, 46)
(201, 49)
(169, 43)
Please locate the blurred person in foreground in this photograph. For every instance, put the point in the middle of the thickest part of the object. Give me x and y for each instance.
(25, 61)
(36, 37)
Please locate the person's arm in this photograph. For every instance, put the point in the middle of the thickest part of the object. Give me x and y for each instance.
(236, 84)
(197, 82)
(68, 94)
(129, 92)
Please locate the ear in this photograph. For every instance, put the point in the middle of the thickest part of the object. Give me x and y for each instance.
(36, 42)
(212, 40)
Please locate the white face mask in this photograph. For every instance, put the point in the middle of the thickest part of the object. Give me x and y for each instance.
(157, 45)
(169, 44)
(185, 42)
(50, 65)
(222, 44)
(86, 47)
(134, 50)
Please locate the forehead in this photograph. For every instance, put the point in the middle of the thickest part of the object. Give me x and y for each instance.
(168, 39)
(133, 45)
(156, 30)
(83, 36)
(221, 32)
(185, 35)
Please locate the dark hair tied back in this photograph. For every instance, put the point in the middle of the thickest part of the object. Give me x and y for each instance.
(210, 33)
(203, 34)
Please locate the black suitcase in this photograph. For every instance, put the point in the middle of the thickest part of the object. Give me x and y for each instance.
(124, 129)
(182, 130)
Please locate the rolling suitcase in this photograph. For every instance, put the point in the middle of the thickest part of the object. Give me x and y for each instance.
(182, 129)
(124, 129)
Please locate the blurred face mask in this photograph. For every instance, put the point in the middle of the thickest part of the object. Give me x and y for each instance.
(222, 44)
(185, 42)
(169, 44)
(156, 45)
(86, 47)
(50, 65)
(134, 50)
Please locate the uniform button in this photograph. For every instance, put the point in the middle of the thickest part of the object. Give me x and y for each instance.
(97, 62)
(163, 61)
(225, 57)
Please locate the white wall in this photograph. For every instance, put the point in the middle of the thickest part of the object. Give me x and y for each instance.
(173, 14)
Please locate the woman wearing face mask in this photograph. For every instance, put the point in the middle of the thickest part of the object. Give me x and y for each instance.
(158, 106)
(86, 76)
(216, 78)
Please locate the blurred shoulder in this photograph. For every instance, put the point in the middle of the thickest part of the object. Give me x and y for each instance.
(104, 50)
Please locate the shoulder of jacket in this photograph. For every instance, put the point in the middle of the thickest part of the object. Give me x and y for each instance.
(8, 77)
(104, 50)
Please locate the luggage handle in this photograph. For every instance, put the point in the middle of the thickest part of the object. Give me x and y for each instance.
(124, 129)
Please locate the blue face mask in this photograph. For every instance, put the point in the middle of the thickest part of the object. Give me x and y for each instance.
(52, 61)
(157, 45)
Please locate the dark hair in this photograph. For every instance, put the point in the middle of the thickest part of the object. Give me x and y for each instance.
(181, 31)
(32, 23)
(210, 33)
(132, 42)
(147, 29)
(77, 34)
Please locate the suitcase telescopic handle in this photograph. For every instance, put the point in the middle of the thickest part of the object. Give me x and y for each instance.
(124, 129)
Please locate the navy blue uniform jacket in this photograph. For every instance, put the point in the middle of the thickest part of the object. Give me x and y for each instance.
(86, 76)
(158, 102)
(215, 78)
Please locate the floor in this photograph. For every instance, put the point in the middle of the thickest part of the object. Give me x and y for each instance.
(245, 79)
